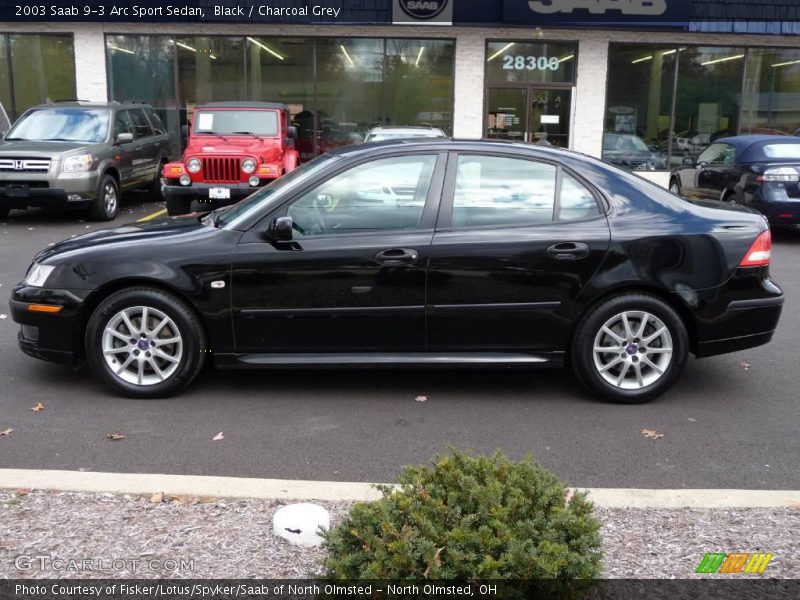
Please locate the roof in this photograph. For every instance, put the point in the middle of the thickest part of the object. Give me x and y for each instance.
(88, 104)
(747, 145)
(436, 143)
(244, 104)
(390, 128)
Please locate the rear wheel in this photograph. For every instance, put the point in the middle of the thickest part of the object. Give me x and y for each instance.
(630, 349)
(675, 187)
(155, 187)
(145, 343)
(106, 206)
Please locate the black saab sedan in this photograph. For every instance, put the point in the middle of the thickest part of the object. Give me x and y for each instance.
(436, 253)
(759, 171)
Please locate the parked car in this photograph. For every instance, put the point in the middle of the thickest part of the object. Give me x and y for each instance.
(81, 155)
(383, 133)
(233, 149)
(690, 141)
(507, 255)
(759, 171)
(630, 151)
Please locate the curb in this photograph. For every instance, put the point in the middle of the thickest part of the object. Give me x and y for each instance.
(288, 489)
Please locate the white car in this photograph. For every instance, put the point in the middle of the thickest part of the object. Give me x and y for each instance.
(380, 134)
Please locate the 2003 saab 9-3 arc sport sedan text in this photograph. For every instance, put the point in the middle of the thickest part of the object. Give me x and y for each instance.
(420, 253)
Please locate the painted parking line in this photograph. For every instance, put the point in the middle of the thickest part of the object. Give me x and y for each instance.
(287, 489)
(155, 215)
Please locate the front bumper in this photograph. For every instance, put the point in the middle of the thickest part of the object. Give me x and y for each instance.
(201, 191)
(53, 337)
(65, 190)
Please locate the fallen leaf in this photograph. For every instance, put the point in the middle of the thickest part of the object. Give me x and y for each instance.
(116, 436)
(218, 437)
(3, 316)
(691, 420)
(38, 408)
(6, 432)
(421, 398)
(157, 498)
(745, 366)
(652, 434)
(23, 491)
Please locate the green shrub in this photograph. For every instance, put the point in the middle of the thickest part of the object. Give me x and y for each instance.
(468, 518)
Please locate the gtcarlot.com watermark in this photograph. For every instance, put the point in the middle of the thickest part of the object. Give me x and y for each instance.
(33, 562)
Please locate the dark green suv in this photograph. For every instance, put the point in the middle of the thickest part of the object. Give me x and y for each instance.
(83, 155)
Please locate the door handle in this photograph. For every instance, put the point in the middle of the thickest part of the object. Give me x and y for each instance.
(397, 257)
(568, 250)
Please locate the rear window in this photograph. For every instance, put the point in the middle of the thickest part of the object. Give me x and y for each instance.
(234, 122)
(782, 151)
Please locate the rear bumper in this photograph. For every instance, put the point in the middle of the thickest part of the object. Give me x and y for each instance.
(737, 315)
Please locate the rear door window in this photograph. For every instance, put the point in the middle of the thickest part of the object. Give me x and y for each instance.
(140, 124)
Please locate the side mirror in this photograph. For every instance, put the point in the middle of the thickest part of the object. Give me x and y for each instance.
(323, 201)
(291, 132)
(688, 161)
(280, 229)
(124, 138)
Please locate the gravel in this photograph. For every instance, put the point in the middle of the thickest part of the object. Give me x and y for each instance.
(131, 537)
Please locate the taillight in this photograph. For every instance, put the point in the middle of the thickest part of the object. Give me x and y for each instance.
(758, 254)
(782, 174)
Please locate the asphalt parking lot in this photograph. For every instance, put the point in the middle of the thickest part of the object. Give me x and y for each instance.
(731, 422)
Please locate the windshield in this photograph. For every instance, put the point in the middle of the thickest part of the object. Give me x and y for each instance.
(237, 122)
(62, 124)
(623, 143)
(231, 213)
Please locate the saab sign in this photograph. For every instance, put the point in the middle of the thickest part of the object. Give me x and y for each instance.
(423, 12)
(597, 12)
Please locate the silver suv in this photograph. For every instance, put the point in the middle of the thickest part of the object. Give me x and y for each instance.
(82, 155)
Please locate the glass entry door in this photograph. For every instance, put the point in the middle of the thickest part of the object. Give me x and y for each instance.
(529, 114)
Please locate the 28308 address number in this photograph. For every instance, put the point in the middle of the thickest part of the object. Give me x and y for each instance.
(530, 63)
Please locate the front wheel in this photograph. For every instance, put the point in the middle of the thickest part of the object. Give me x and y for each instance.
(106, 206)
(145, 343)
(630, 349)
(675, 187)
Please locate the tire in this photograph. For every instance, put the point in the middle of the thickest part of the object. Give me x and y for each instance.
(170, 318)
(675, 187)
(641, 382)
(106, 206)
(178, 206)
(154, 191)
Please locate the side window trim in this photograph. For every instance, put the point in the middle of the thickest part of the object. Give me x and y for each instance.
(429, 210)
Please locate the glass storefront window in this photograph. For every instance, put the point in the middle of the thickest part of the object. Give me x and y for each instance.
(349, 89)
(336, 88)
(707, 101)
(419, 83)
(771, 101)
(141, 68)
(638, 106)
(531, 62)
(35, 69)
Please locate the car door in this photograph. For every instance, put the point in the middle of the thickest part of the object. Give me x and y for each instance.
(353, 276)
(517, 240)
(124, 157)
(713, 177)
(145, 162)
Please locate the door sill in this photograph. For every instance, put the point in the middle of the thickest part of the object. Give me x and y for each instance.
(388, 359)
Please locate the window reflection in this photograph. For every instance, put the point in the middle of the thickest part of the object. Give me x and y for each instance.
(771, 102)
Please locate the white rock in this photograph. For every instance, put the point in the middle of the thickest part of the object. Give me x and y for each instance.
(299, 523)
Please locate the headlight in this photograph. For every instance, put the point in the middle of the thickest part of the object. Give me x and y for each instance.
(248, 165)
(38, 274)
(193, 165)
(79, 162)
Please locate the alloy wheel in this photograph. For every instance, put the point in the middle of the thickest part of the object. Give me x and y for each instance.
(142, 345)
(632, 350)
(109, 199)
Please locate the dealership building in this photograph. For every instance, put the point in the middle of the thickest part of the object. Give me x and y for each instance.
(643, 83)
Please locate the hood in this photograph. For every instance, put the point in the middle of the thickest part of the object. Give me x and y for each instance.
(260, 147)
(40, 149)
(135, 235)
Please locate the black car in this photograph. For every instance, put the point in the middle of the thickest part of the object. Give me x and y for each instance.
(760, 171)
(490, 253)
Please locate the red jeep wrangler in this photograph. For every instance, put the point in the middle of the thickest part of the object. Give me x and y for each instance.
(233, 149)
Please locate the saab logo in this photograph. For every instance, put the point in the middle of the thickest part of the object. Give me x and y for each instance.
(739, 562)
(599, 7)
(422, 9)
